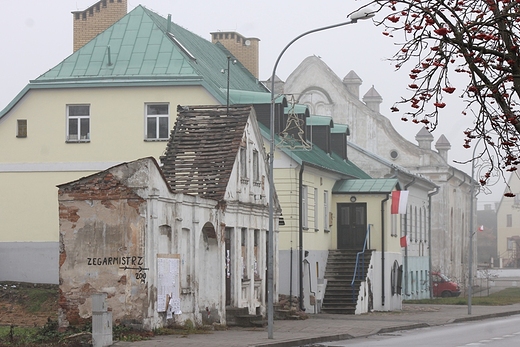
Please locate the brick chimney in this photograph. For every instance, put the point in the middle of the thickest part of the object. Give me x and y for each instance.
(94, 20)
(243, 48)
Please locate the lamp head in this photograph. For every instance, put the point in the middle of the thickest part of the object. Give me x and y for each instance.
(364, 13)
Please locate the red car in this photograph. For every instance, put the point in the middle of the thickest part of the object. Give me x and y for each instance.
(443, 286)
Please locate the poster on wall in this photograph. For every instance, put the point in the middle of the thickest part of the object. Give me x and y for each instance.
(168, 284)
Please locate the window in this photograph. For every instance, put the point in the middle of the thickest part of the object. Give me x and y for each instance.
(243, 163)
(509, 220)
(510, 244)
(78, 123)
(21, 128)
(256, 169)
(326, 211)
(157, 122)
(305, 207)
(316, 225)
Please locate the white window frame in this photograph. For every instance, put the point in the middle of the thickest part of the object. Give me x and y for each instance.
(305, 207)
(316, 208)
(80, 125)
(159, 119)
(244, 176)
(256, 166)
(326, 211)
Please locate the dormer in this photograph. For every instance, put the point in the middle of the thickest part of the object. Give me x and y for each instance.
(319, 132)
(339, 136)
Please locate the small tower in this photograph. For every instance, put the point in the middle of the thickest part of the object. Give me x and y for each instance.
(443, 146)
(352, 82)
(424, 139)
(372, 99)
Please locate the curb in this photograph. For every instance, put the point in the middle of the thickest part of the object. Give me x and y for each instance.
(339, 337)
(305, 341)
(485, 316)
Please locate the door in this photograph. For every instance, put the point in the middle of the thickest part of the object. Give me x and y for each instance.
(352, 225)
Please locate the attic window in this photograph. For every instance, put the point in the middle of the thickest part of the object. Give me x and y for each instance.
(184, 49)
(21, 128)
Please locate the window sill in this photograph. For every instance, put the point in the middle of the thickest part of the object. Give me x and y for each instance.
(155, 140)
(77, 141)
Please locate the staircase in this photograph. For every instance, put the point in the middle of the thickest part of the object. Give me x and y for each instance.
(241, 318)
(339, 297)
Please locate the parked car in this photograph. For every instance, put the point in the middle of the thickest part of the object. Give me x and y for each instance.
(443, 286)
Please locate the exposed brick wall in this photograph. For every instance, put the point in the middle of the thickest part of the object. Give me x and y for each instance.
(91, 22)
(103, 186)
(247, 54)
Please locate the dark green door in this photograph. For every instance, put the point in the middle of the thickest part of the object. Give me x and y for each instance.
(352, 225)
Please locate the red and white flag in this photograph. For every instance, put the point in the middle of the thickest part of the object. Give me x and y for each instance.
(399, 201)
(405, 241)
(481, 228)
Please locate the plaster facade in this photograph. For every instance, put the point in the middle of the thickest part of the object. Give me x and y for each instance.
(316, 86)
(117, 225)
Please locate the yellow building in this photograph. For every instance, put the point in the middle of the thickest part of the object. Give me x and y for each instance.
(508, 226)
(113, 100)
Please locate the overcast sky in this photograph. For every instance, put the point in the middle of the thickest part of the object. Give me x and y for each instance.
(37, 35)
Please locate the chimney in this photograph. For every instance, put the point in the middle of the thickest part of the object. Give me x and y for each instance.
(424, 139)
(443, 146)
(352, 82)
(372, 99)
(243, 48)
(94, 20)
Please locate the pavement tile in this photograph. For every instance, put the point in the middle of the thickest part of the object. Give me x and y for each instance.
(328, 327)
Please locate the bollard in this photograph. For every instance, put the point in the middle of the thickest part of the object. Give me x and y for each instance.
(101, 321)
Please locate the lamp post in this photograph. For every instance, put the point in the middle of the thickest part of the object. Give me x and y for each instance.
(227, 70)
(471, 231)
(472, 226)
(362, 14)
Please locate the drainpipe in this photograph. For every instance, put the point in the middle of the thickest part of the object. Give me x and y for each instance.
(290, 279)
(430, 236)
(300, 234)
(383, 249)
(406, 235)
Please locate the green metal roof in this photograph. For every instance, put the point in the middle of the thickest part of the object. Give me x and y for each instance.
(297, 109)
(340, 129)
(318, 158)
(320, 120)
(369, 186)
(246, 97)
(143, 44)
(143, 48)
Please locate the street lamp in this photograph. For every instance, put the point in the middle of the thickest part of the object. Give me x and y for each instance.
(354, 17)
(471, 226)
(227, 70)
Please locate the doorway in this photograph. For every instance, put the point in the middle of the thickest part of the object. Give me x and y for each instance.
(352, 225)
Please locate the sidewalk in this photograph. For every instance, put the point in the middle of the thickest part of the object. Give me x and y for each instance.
(327, 327)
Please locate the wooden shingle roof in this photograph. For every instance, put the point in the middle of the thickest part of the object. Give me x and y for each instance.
(202, 149)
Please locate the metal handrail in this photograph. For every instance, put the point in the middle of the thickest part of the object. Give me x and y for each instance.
(357, 263)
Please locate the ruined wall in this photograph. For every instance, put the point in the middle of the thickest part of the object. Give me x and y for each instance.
(102, 249)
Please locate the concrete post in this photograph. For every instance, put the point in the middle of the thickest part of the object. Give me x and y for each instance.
(101, 321)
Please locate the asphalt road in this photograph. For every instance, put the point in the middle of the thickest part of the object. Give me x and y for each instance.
(498, 332)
